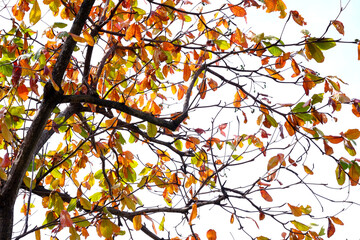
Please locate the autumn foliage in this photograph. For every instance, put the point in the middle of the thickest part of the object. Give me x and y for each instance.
(158, 120)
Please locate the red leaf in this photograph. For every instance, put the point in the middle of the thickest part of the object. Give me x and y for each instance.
(65, 219)
(199, 130)
(339, 26)
(221, 128)
(331, 229)
(266, 195)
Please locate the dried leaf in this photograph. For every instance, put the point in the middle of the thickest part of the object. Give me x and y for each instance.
(339, 26)
(331, 229)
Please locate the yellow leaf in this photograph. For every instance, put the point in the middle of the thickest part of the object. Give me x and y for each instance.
(274, 74)
(201, 24)
(37, 234)
(6, 134)
(89, 39)
(137, 222)
(77, 38)
(35, 13)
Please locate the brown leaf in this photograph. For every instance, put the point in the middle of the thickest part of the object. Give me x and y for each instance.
(339, 26)
(266, 195)
(331, 229)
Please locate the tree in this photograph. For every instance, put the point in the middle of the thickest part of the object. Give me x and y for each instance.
(123, 114)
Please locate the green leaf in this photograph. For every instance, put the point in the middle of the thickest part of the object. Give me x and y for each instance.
(72, 205)
(222, 44)
(59, 25)
(300, 226)
(322, 231)
(50, 217)
(81, 221)
(272, 121)
(151, 129)
(6, 68)
(178, 145)
(324, 43)
(317, 98)
(300, 109)
(85, 203)
(35, 13)
(96, 196)
(340, 175)
(313, 51)
(274, 50)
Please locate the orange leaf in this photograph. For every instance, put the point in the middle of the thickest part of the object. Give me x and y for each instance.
(331, 229)
(137, 222)
(308, 170)
(201, 24)
(298, 18)
(23, 92)
(296, 211)
(77, 38)
(352, 134)
(266, 195)
(237, 10)
(353, 176)
(289, 128)
(212, 84)
(358, 51)
(130, 32)
(193, 213)
(166, 46)
(274, 74)
(237, 100)
(334, 139)
(203, 89)
(187, 72)
(337, 220)
(232, 219)
(328, 149)
(211, 234)
(295, 67)
(261, 216)
(339, 26)
(65, 219)
(89, 39)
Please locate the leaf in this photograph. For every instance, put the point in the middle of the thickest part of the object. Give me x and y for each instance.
(161, 226)
(349, 148)
(339, 26)
(201, 24)
(137, 222)
(337, 220)
(312, 51)
(211, 234)
(37, 234)
(193, 213)
(331, 229)
(308, 170)
(35, 13)
(5, 132)
(334, 139)
(295, 68)
(273, 162)
(300, 226)
(272, 120)
(88, 38)
(77, 38)
(328, 149)
(202, 89)
(166, 46)
(23, 91)
(187, 72)
(151, 130)
(266, 195)
(237, 10)
(354, 174)
(298, 18)
(340, 175)
(222, 44)
(352, 134)
(358, 50)
(65, 219)
(296, 211)
(274, 74)
(85, 203)
(106, 228)
(232, 219)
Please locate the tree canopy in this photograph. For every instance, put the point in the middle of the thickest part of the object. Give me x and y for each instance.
(162, 119)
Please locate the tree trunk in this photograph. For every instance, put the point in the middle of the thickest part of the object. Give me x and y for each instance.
(6, 218)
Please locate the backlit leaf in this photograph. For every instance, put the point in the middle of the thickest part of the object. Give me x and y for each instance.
(334, 139)
(35, 13)
(300, 226)
(89, 39)
(137, 222)
(151, 129)
(274, 74)
(211, 234)
(313, 52)
(161, 226)
(340, 175)
(65, 219)
(298, 18)
(352, 134)
(77, 38)
(193, 213)
(308, 170)
(331, 229)
(237, 10)
(296, 211)
(339, 26)
(266, 195)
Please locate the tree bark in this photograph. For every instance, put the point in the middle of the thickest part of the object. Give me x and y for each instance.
(9, 189)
